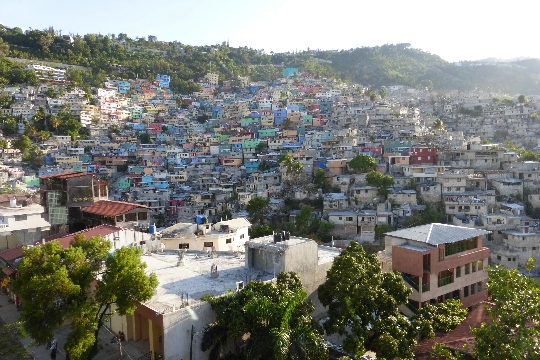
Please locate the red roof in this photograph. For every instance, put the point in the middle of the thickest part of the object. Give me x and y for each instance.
(101, 230)
(111, 208)
(65, 175)
(71, 174)
(63, 239)
(458, 337)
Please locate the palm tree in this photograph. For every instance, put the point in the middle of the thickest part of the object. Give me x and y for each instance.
(55, 122)
(437, 124)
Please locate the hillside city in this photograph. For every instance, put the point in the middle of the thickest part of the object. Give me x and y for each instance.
(241, 180)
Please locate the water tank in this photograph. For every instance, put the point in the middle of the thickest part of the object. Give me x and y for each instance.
(152, 229)
(13, 203)
(199, 219)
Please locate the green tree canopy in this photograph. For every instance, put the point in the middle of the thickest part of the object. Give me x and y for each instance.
(258, 209)
(23, 144)
(363, 306)
(55, 286)
(293, 168)
(277, 317)
(381, 181)
(34, 157)
(363, 163)
(427, 216)
(515, 329)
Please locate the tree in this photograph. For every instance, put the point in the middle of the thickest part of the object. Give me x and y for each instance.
(381, 229)
(23, 144)
(382, 92)
(10, 126)
(319, 180)
(4, 48)
(264, 165)
(54, 122)
(43, 135)
(10, 345)
(277, 317)
(258, 210)
(363, 306)
(287, 123)
(437, 124)
(363, 163)
(381, 181)
(427, 216)
(444, 316)
(34, 157)
(55, 286)
(144, 138)
(259, 231)
(515, 329)
(522, 99)
(293, 169)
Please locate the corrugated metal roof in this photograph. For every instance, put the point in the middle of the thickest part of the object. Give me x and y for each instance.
(436, 234)
(72, 174)
(63, 239)
(111, 208)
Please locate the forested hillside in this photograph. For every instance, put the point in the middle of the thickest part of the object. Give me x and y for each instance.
(120, 56)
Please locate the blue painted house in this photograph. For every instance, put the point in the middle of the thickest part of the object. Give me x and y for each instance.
(279, 116)
(164, 80)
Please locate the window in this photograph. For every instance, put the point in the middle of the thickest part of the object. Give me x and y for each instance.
(183, 246)
(466, 291)
(458, 271)
(340, 218)
(241, 236)
(473, 289)
(480, 265)
(142, 216)
(441, 254)
(461, 246)
(208, 244)
(20, 217)
(349, 218)
(120, 218)
(228, 241)
(473, 266)
(131, 217)
(479, 287)
(499, 257)
(467, 269)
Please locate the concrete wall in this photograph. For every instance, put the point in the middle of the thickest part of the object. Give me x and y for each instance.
(178, 327)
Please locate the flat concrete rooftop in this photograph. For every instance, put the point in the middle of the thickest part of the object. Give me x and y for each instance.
(194, 278)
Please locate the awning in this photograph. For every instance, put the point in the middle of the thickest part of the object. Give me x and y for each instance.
(8, 271)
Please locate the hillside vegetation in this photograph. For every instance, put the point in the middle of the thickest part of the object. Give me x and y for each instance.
(119, 56)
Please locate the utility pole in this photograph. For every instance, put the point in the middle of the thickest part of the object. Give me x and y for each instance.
(191, 343)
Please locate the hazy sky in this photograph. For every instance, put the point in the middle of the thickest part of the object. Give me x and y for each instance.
(455, 30)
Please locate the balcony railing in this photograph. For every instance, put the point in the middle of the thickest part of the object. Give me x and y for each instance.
(412, 308)
(410, 281)
(446, 280)
(425, 287)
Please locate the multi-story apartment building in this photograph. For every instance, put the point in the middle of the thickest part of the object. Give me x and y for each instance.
(438, 262)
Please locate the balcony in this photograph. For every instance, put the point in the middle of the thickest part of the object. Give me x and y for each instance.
(445, 281)
(425, 287)
(410, 281)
